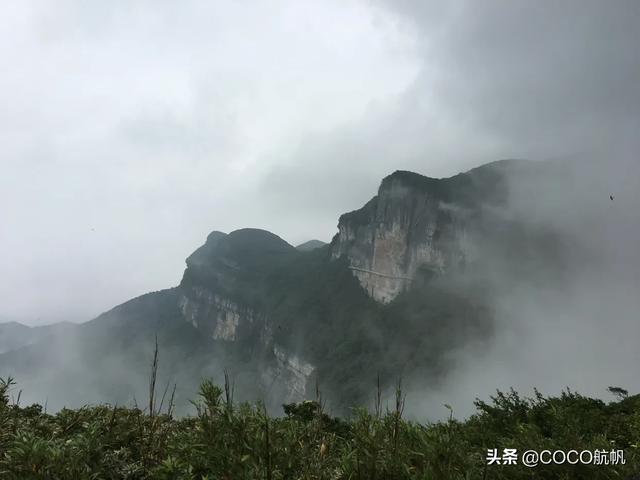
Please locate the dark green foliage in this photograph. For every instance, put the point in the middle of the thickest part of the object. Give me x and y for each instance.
(226, 441)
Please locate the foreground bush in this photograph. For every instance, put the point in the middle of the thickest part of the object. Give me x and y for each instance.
(227, 441)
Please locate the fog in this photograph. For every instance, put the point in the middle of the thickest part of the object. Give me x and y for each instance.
(572, 323)
(132, 129)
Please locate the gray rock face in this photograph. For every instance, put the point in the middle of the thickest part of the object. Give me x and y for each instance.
(219, 316)
(213, 300)
(285, 377)
(416, 226)
(213, 292)
(291, 372)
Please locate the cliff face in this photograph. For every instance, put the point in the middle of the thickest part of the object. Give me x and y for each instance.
(218, 291)
(219, 317)
(408, 230)
(419, 227)
(222, 296)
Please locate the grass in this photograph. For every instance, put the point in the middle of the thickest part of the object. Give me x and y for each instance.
(225, 440)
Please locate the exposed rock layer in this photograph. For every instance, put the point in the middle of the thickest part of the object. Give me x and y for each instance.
(415, 226)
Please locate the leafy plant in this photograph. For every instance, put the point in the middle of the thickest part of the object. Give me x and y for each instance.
(241, 441)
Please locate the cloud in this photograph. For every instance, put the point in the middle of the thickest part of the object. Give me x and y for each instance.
(496, 80)
(570, 318)
(132, 129)
(547, 80)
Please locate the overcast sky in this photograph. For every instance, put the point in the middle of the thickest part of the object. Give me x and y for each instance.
(130, 129)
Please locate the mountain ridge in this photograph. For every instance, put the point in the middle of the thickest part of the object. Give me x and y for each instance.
(389, 296)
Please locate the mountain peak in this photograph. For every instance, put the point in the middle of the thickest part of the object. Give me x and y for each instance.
(215, 236)
(409, 179)
(239, 244)
(310, 245)
(257, 240)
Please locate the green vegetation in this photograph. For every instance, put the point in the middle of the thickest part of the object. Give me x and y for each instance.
(224, 440)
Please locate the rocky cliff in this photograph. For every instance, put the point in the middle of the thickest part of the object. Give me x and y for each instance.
(416, 227)
(222, 295)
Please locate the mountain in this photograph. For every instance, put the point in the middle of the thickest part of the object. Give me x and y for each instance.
(401, 285)
(310, 245)
(14, 335)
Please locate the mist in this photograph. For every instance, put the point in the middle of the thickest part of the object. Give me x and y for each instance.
(572, 320)
(130, 131)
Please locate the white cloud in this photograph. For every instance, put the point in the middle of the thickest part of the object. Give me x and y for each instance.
(131, 129)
